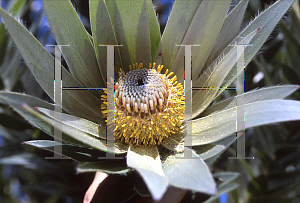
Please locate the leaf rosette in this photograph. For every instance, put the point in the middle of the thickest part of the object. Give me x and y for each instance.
(133, 24)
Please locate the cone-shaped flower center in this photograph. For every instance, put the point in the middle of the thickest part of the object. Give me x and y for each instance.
(142, 92)
(148, 105)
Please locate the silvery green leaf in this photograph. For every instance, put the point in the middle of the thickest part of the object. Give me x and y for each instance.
(103, 34)
(266, 21)
(146, 161)
(179, 21)
(143, 42)
(76, 153)
(230, 28)
(132, 26)
(46, 125)
(276, 10)
(113, 166)
(274, 92)
(77, 123)
(174, 142)
(85, 138)
(226, 142)
(227, 177)
(208, 151)
(204, 30)
(69, 134)
(121, 39)
(127, 15)
(202, 98)
(83, 104)
(68, 30)
(31, 51)
(78, 103)
(189, 173)
(18, 98)
(154, 29)
(223, 123)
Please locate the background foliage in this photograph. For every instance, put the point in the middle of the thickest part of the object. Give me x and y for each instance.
(272, 176)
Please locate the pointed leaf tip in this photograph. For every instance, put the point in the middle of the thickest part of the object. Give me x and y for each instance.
(182, 174)
(146, 161)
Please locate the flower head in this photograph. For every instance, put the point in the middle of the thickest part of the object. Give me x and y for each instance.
(148, 105)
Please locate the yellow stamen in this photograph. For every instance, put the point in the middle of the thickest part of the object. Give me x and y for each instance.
(159, 68)
(170, 74)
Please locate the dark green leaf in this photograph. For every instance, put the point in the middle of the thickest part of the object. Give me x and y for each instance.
(3, 42)
(16, 7)
(142, 189)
